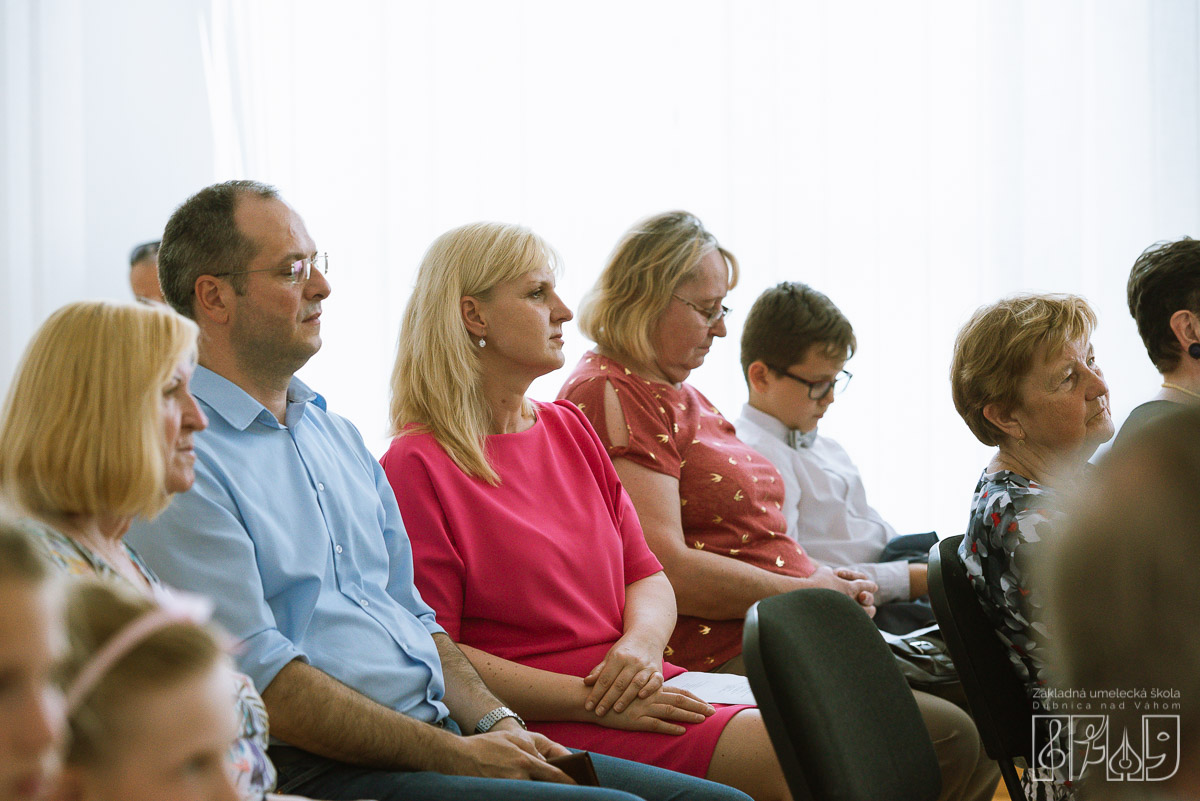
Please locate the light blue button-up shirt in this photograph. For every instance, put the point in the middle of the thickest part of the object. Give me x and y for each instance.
(294, 531)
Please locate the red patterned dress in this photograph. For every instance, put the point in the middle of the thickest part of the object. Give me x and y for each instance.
(731, 497)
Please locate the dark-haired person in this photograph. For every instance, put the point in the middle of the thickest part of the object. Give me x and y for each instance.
(795, 345)
(1025, 380)
(143, 272)
(1164, 298)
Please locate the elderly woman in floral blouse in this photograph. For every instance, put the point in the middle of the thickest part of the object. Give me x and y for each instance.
(1025, 380)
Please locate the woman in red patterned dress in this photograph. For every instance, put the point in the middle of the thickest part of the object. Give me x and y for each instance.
(710, 505)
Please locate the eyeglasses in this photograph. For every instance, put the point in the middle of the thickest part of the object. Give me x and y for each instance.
(297, 271)
(711, 316)
(819, 389)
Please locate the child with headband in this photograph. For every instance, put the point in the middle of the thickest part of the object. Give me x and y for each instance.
(148, 690)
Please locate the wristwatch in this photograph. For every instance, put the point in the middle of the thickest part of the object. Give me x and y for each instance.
(498, 714)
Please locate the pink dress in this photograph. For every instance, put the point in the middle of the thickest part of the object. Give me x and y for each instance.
(534, 570)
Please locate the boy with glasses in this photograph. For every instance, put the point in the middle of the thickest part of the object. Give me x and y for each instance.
(795, 345)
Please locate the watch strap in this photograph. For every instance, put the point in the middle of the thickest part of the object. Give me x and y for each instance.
(498, 714)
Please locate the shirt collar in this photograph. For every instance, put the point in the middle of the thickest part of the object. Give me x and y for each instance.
(773, 426)
(237, 407)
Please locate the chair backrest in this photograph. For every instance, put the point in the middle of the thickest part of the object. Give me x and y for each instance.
(844, 723)
(997, 697)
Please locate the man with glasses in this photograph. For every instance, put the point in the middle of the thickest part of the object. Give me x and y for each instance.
(795, 345)
(293, 529)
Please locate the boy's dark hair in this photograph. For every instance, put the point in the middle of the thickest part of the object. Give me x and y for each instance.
(787, 320)
(1164, 279)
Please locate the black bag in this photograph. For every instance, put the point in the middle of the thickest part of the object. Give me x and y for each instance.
(923, 659)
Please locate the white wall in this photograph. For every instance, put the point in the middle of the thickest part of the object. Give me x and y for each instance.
(105, 130)
(912, 160)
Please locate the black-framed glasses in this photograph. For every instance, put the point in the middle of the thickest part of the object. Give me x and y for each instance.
(711, 316)
(300, 269)
(819, 389)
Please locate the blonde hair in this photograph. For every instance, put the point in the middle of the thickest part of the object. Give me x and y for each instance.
(996, 348)
(81, 430)
(97, 611)
(435, 380)
(652, 259)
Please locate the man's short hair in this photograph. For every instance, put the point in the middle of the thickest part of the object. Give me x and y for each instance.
(787, 320)
(146, 250)
(201, 238)
(1164, 279)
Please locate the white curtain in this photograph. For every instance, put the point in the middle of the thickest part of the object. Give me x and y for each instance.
(104, 128)
(912, 160)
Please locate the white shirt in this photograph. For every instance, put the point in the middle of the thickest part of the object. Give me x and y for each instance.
(825, 503)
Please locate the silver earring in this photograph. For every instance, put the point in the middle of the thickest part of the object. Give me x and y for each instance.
(482, 342)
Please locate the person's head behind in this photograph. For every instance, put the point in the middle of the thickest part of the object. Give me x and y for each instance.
(1164, 298)
(98, 419)
(436, 375)
(1023, 374)
(150, 693)
(794, 345)
(658, 301)
(143, 272)
(31, 645)
(202, 238)
(1120, 586)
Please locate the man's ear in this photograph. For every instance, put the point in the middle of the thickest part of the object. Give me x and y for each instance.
(758, 376)
(473, 316)
(1186, 328)
(213, 299)
(1004, 419)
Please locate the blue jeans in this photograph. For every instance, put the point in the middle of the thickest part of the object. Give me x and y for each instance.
(317, 777)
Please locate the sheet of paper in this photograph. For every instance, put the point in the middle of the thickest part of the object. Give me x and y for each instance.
(912, 634)
(715, 688)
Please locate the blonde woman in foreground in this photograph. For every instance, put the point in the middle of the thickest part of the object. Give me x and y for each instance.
(97, 431)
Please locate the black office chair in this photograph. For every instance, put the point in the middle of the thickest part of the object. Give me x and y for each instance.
(842, 719)
(995, 693)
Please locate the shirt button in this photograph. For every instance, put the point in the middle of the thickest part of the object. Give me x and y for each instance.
(320, 486)
(337, 548)
(365, 602)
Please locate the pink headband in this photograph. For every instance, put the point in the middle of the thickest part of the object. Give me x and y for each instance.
(174, 607)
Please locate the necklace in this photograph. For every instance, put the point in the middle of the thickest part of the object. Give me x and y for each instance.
(1169, 385)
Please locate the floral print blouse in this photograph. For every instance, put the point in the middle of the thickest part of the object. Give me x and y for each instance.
(1010, 515)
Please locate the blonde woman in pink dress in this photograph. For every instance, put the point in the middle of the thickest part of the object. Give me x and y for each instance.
(524, 541)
